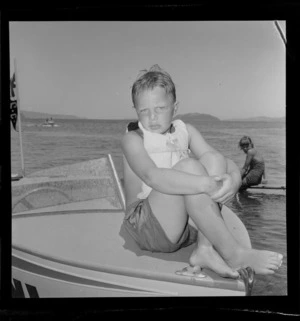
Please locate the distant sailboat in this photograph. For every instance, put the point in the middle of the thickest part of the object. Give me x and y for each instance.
(16, 176)
(49, 123)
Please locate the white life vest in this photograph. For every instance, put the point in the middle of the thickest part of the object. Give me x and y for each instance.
(165, 149)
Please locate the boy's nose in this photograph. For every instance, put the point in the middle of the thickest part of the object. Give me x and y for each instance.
(153, 115)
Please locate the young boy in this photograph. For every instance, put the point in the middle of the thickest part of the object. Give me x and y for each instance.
(164, 186)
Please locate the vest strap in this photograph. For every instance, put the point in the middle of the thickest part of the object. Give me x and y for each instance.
(134, 126)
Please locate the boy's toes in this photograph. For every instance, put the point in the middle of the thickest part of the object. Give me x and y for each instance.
(279, 257)
(273, 266)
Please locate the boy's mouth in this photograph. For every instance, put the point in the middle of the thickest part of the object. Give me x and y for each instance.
(154, 127)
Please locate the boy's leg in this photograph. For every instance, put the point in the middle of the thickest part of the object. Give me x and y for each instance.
(204, 254)
(206, 215)
(175, 204)
(170, 211)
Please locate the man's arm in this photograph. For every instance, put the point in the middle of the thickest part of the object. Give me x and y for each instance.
(244, 170)
(164, 180)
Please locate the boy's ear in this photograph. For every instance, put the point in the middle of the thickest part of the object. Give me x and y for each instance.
(175, 108)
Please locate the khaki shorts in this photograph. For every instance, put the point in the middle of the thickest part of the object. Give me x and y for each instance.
(145, 229)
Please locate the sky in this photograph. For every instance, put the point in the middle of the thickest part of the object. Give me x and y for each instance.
(229, 69)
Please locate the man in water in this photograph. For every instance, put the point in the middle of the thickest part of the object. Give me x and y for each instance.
(253, 171)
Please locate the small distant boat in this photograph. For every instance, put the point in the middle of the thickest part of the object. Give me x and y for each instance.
(16, 176)
(49, 123)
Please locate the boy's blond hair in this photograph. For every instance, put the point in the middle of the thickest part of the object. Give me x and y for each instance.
(149, 79)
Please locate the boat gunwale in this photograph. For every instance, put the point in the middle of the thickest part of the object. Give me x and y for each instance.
(209, 282)
(63, 212)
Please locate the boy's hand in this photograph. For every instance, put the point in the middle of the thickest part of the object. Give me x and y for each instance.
(213, 185)
(227, 191)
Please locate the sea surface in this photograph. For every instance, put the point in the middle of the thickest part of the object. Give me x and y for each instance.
(264, 215)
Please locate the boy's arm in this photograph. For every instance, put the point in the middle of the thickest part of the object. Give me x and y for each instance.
(234, 172)
(215, 164)
(164, 180)
(231, 183)
(197, 143)
(213, 161)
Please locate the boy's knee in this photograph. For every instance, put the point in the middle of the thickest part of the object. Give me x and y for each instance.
(212, 157)
(214, 162)
(191, 165)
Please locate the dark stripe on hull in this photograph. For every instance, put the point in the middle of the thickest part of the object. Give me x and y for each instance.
(38, 270)
(32, 291)
(17, 289)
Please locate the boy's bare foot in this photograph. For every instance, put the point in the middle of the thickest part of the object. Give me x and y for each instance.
(262, 262)
(206, 256)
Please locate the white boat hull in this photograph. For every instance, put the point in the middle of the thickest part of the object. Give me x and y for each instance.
(99, 263)
(78, 248)
(38, 281)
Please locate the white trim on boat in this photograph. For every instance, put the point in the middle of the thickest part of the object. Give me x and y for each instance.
(117, 180)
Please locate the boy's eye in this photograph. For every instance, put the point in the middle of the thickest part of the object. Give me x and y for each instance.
(161, 109)
(143, 111)
(158, 110)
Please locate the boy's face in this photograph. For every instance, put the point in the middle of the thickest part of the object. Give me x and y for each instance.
(155, 109)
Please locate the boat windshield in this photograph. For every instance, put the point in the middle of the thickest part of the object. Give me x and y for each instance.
(89, 185)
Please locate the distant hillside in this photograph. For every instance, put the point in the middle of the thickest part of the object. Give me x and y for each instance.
(197, 117)
(36, 115)
(262, 118)
(185, 117)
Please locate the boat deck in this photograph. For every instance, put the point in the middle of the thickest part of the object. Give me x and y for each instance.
(83, 236)
(67, 221)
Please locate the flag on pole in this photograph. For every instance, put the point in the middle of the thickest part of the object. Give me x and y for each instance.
(13, 102)
(15, 111)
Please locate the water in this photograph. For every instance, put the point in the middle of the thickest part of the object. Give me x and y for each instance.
(263, 215)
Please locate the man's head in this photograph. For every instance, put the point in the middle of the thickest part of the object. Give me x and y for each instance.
(245, 143)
